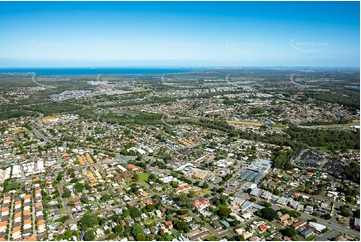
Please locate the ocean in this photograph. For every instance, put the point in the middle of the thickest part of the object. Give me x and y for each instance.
(74, 71)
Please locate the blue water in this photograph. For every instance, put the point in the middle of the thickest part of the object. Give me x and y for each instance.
(96, 71)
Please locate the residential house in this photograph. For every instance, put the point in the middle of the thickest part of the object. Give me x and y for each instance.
(169, 224)
(201, 202)
(299, 224)
(306, 232)
(284, 217)
(216, 225)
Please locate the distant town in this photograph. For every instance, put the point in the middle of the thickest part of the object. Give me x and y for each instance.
(249, 154)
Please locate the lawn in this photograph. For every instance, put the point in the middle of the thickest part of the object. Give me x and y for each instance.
(202, 192)
(151, 220)
(12, 186)
(143, 177)
(312, 237)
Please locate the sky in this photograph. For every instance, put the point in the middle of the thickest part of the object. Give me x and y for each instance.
(69, 34)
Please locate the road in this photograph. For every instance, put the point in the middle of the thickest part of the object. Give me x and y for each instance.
(331, 225)
(209, 227)
(162, 119)
(11, 214)
(65, 205)
(329, 235)
(33, 216)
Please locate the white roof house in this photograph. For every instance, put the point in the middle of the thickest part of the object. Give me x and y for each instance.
(317, 226)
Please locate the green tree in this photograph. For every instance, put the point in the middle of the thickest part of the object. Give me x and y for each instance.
(67, 234)
(112, 236)
(152, 177)
(79, 187)
(267, 204)
(150, 208)
(59, 177)
(253, 199)
(134, 212)
(180, 225)
(141, 237)
(290, 232)
(89, 220)
(66, 193)
(223, 211)
(268, 213)
(276, 192)
(74, 180)
(118, 229)
(84, 200)
(174, 184)
(105, 197)
(137, 228)
(89, 235)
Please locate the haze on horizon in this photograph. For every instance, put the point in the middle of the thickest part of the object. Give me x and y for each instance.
(55, 34)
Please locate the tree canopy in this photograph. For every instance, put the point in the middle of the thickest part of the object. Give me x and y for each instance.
(89, 220)
(268, 213)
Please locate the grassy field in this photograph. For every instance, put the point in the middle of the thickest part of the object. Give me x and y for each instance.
(141, 90)
(245, 123)
(12, 186)
(282, 101)
(202, 192)
(281, 126)
(143, 177)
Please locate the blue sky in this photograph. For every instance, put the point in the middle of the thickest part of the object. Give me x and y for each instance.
(180, 33)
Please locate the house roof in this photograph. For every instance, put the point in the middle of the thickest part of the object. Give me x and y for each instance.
(306, 232)
(33, 238)
(263, 227)
(28, 221)
(5, 209)
(317, 226)
(16, 229)
(27, 212)
(2, 224)
(255, 192)
(299, 223)
(168, 223)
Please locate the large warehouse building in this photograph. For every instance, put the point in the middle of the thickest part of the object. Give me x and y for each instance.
(256, 169)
